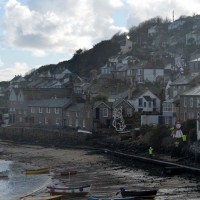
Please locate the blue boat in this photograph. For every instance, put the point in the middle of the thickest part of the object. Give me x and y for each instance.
(110, 198)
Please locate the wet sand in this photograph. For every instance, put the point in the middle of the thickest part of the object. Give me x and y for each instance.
(105, 175)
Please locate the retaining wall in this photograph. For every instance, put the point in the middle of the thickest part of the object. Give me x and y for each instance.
(40, 136)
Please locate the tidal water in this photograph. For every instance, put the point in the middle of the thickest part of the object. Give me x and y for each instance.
(18, 184)
(106, 178)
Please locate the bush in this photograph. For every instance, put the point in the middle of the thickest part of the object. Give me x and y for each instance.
(193, 135)
(158, 134)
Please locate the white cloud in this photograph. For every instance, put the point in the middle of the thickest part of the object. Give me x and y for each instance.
(8, 73)
(1, 63)
(141, 10)
(59, 26)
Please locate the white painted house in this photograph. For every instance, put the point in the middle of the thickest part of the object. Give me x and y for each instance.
(145, 101)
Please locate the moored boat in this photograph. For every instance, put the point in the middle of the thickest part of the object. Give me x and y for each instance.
(38, 171)
(109, 198)
(69, 191)
(144, 193)
(68, 172)
(55, 197)
(4, 174)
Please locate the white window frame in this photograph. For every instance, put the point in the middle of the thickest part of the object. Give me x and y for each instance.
(40, 109)
(56, 110)
(48, 110)
(46, 120)
(83, 123)
(129, 112)
(32, 110)
(105, 112)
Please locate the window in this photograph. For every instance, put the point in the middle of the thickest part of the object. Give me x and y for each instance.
(20, 119)
(191, 115)
(47, 110)
(154, 102)
(185, 116)
(185, 102)
(70, 122)
(198, 102)
(83, 123)
(105, 112)
(140, 102)
(129, 112)
(145, 104)
(57, 121)
(40, 110)
(32, 109)
(76, 123)
(56, 110)
(46, 120)
(191, 101)
(149, 104)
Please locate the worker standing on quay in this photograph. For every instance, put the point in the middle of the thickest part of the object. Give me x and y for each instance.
(150, 151)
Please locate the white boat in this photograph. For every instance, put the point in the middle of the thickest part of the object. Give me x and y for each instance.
(69, 191)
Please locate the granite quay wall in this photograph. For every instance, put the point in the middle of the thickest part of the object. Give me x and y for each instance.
(40, 136)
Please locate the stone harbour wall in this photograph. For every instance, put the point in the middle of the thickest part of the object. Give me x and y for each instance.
(40, 136)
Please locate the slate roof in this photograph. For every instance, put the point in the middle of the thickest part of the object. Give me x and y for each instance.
(183, 80)
(192, 92)
(147, 98)
(98, 103)
(46, 93)
(117, 102)
(53, 103)
(76, 107)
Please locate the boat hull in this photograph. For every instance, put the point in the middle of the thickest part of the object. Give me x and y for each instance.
(68, 173)
(69, 191)
(110, 198)
(38, 171)
(144, 194)
(56, 197)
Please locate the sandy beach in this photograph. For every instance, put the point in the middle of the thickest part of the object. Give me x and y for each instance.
(106, 176)
(49, 157)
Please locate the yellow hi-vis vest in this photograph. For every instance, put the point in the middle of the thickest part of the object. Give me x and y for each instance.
(184, 137)
(150, 150)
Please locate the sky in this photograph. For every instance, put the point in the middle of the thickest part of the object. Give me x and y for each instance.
(34, 33)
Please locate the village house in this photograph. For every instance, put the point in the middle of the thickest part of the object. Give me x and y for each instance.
(103, 112)
(171, 106)
(126, 45)
(78, 115)
(144, 101)
(176, 24)
(146, 71)
(47, 112)
(190, 104)
(20, 98)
